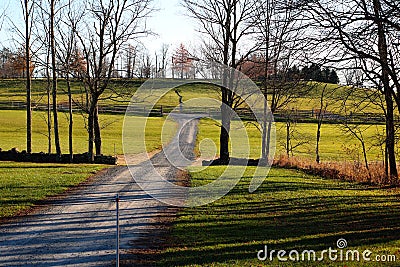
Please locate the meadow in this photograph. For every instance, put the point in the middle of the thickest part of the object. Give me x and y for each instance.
(120, 92)
(335, 144)
(291, 210)
(13, 133)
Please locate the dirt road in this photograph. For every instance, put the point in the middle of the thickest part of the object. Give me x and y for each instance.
(79, 229)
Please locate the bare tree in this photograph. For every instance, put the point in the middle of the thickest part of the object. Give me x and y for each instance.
(105, 29)
(130, 60)
(164, 62)
(45, 32)
(54, 76)
(145, 65)
(353, 128)
(226, 24)
(363, 32)
(357, 131)
(280, 32)
(27, 9)
(326, 98)
(25, 55)
(44, 37)
(68, 56)
(292, 140)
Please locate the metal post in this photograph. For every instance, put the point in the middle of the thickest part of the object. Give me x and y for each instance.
(117, 234)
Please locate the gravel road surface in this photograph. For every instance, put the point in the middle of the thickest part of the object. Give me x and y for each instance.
(79, 229)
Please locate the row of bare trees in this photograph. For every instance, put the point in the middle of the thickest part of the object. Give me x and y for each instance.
(234, 31)
(347, 35)
(364, 36)
(78, 40)
(84, 39)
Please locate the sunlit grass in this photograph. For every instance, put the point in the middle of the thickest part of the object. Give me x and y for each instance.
(334, 143)
(123, 89)
(24, 184)
(13, 132)
(289, 211)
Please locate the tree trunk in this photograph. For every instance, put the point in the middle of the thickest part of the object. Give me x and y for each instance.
(317, 159)
(28, 82)
(390, 136)
(92, 110)
(266, 135)
(54, 80)
(386, 162)
(71, 122)
(383, 55)
(366, 160)
(264, 155)
(268, 144)
(225, 111)
(288, 138)
(266, 131)
(224, 135)
(97, 132)
(48, 103)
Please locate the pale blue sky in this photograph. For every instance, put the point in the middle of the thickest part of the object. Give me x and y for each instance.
(169, 22)
(172, 25)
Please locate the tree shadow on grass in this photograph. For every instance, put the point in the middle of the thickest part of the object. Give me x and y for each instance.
(313, 218)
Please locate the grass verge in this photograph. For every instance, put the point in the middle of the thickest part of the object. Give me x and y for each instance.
(290, 211)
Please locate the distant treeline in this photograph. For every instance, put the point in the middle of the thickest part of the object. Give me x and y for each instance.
(314, 72)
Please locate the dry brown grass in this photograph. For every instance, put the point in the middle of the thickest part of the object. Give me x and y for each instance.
(353, 171)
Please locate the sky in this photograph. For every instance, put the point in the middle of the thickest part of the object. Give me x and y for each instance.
(169, 22)
(172, 26)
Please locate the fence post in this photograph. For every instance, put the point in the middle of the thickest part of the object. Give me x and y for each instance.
(117, 234)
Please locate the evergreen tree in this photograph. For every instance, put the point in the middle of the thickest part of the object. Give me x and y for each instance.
(315, 73)
(325, 75)
(305, 73)
(293, 73)
(333, 77)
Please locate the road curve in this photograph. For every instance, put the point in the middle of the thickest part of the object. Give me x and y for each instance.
(79, 229)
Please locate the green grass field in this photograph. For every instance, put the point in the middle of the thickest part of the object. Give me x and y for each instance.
(14, 90)
(12, 132)
(334, 144)
(290, 211)
(24, 184)
(122, 91)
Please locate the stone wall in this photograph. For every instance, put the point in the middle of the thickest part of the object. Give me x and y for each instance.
(15, 155)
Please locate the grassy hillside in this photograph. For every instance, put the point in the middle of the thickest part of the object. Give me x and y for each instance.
(14, 89)
(122, 90)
